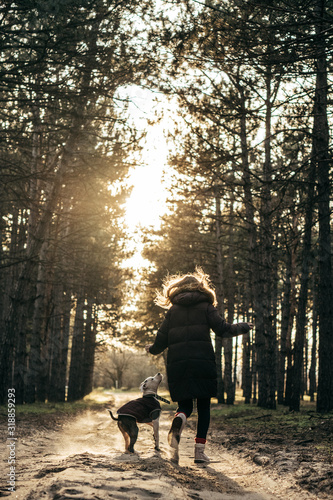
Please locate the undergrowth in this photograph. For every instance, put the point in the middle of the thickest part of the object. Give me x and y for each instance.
(296, 427)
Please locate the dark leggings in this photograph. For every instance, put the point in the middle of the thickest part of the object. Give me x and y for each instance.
(203, 407)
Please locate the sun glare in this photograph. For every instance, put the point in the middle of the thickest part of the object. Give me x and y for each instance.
(147, 202)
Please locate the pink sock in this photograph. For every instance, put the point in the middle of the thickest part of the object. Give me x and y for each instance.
(200, 440)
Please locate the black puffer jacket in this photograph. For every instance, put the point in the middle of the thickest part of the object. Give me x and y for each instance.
(191, 366)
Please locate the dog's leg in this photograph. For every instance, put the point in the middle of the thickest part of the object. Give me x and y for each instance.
(156, 427)
(126, 436)
(134, 431)
(130, 432)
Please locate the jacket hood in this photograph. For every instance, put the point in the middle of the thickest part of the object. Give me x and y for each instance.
(188, 298)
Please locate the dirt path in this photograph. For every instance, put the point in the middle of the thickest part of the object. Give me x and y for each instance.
(83, 459)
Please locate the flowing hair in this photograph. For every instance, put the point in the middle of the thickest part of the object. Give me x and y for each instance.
(178, 283)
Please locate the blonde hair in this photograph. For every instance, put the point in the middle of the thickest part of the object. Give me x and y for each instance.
(172, 285)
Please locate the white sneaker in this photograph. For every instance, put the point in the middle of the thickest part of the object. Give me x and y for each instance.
(199, 454)
(175, 432)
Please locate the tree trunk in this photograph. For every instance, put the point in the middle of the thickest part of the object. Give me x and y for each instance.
(303, 297)
(56, 378)
(218, 359)
(266, 340)
(253, 287)
(45, 336)
(10, 280)
(228, 385)
(323, 158)
(275, 310)
(66, 319)
(22, 379)
(39, 304)
(22, 313)
(61, 313)
(284, 329)
(304, 388)
(247, 376)
(76, 366)
(220, 297)
(38, 326)
(228, 343)
(254, 373)
(313, 364)
(235, 370)
(20, 353)
(2, 274)
(89, 350)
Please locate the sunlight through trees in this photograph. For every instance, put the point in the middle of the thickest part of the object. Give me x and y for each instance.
(145, 138)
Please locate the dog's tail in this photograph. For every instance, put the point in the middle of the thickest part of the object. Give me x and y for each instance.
(111, 415)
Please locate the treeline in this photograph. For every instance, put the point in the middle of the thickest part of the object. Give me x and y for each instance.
(65, 151)
(251, 199)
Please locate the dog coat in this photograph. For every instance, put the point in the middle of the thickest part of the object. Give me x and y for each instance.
(145, 409)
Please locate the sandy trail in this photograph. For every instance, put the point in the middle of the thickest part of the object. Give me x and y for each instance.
(84, 459)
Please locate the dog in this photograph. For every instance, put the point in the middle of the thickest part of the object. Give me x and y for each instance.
(145, 410)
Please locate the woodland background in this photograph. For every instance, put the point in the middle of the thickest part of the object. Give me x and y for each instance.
(250, 189)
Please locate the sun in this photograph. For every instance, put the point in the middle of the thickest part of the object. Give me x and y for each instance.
(147, 202)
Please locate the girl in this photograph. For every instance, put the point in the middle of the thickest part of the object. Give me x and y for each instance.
(191, 368)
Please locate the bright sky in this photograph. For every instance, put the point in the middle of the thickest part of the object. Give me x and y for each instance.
(147, 201)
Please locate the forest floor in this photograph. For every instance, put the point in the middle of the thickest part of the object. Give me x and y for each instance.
(61, 456)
